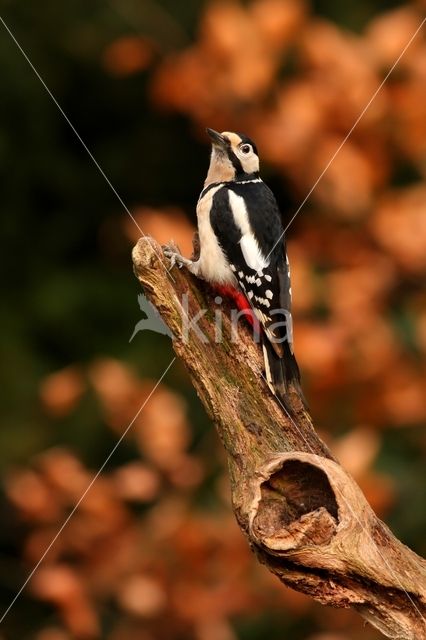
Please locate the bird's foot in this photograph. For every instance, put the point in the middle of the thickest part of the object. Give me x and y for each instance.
(176, 259)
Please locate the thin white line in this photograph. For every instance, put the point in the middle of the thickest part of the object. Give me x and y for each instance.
(164, 372)
(292, 219)
(345, 139)
(173, 360)
(86, 148)
(349, 506)
(281, 236)
(102, 172)
(90, 485)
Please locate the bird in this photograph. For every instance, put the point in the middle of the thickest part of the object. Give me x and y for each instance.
(243, 250)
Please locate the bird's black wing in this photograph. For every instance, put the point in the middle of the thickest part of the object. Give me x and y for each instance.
(247, 223)
(259, 266)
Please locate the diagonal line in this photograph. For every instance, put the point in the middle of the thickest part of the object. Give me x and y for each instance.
(349, 506)
(86, 491)
(101, 171)
(345, 139)
(86, 148)
(73, 511)
(108, 181)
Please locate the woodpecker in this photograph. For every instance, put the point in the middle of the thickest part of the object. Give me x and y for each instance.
(242, 247)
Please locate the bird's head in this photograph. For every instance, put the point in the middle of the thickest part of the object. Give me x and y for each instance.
(234, 157)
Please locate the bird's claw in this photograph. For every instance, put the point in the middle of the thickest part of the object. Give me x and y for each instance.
(175, 259)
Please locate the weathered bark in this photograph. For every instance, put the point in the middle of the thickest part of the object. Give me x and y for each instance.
(304, 516)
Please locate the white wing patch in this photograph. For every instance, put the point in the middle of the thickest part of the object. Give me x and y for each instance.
(248, 243)
(252, 254)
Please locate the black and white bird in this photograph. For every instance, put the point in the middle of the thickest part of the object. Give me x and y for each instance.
(242, 246)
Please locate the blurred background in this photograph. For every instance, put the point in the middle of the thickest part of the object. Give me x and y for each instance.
(153, 552)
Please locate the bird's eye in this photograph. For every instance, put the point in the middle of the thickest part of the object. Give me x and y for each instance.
(246, 148)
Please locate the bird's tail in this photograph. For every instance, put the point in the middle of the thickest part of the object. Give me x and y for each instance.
(282, 373)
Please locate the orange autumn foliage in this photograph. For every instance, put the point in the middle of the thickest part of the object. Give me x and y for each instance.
(143, 542)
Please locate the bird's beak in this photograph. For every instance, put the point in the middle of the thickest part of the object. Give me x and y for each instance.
(217, 139)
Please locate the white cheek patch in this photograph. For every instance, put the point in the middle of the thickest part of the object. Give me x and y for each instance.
(249, 162)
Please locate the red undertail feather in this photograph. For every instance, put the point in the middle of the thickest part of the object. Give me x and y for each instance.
(282, 372)
(241, 302)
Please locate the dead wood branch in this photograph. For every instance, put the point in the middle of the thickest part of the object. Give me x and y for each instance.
(304, 516)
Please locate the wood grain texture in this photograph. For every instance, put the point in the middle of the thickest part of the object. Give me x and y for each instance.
(304, 516)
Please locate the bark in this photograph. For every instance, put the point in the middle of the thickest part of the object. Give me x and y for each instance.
(304, 516)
